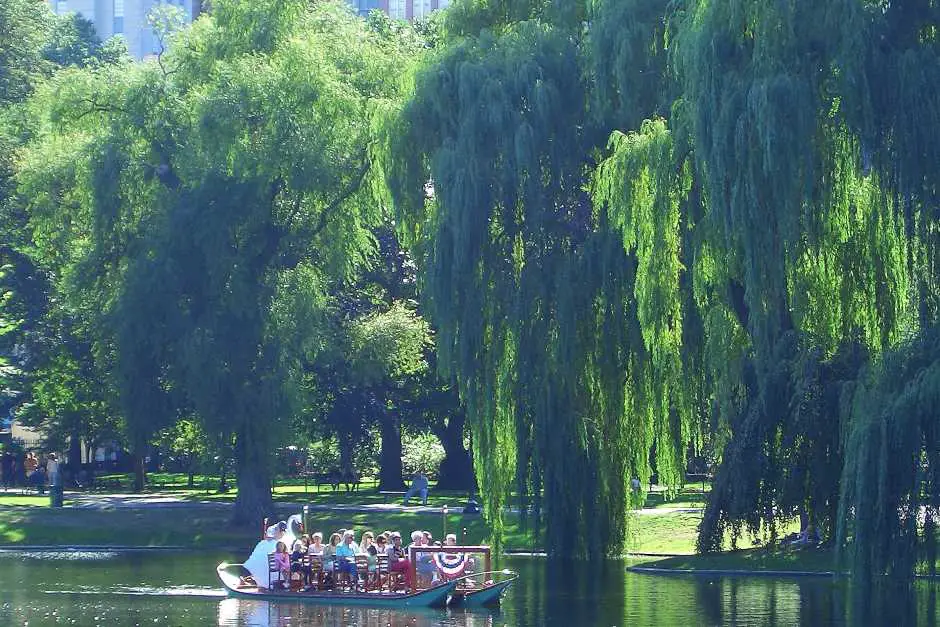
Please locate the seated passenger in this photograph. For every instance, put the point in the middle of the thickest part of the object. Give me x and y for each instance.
(370, 549)
(282, 561)
(297, 561)
(425, 567)
(397, 562)
(346, 559)
(381, 544)
(316, 544)
(329, 557)
(419, 485)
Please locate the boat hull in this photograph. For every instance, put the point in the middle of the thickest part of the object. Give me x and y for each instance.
(483, 597)
(438, 596)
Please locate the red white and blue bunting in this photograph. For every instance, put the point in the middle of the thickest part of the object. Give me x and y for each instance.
(451, 565)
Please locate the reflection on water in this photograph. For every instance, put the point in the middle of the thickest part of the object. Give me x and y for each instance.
(263, 614)
(181, 589)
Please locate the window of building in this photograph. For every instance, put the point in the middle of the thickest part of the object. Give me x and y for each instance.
(422, 9)
(398, 9)
(118, 27)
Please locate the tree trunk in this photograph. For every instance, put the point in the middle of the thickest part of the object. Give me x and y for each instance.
(223, 480)
(346, 449)
(139, 472)
(253, 474)
(75, 451)
(456, 471)
(390, 468)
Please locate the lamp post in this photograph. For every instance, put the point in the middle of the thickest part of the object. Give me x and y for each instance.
(444, 518)
(306, 511)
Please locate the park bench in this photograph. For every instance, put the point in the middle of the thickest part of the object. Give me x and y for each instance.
(335, 478)
(387, 494)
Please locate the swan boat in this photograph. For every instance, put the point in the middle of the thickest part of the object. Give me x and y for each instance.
(232, 576)
(455, 571)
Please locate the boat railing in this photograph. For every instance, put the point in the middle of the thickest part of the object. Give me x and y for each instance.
(451, 562)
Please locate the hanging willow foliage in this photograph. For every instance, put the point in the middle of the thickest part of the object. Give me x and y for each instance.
(890, 485)
(532, 287)
(760, 226)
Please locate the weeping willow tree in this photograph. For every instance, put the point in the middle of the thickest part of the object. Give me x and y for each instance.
(888, 510)
(558, 308)
(750, 245)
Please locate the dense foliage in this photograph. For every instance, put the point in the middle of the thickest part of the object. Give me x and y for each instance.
(758, 231)
(639, 228)
(213, 196)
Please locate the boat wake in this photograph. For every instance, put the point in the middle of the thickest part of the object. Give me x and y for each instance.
(144, 591)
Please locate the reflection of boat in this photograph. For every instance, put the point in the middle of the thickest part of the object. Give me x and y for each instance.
(232, 576)
(234, 612)
(474, 589)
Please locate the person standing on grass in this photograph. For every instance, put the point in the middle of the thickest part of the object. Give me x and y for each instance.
(419, 485)
(6, 468)
(30, 464)
(52, 470)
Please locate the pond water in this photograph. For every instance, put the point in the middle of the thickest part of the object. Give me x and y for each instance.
(180, 588)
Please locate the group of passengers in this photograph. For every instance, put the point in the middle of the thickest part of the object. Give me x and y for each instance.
(339, 557)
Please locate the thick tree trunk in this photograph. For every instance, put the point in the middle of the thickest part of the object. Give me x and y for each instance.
(75, 451)
(456, 471)
(253, 474)
(390, 468)
(346, 449)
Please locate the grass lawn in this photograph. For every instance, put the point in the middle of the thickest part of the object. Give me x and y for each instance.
(210, 528)
(27, 500)
(755, 559)
(27, 520)
(663, 533)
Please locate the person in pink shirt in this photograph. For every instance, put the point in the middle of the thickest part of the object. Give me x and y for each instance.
(282, 561)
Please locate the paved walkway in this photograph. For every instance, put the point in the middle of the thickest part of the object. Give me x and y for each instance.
(84, 500)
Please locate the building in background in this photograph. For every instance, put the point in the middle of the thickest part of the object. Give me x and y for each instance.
(400, 9)
(126, 18)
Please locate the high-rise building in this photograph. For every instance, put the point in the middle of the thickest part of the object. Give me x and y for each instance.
(127, 18)
(400, 9)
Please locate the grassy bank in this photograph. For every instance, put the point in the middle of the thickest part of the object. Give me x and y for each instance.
(820, 560)
(665, 528)
(209, 527)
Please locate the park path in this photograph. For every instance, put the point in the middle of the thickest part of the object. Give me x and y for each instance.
(159, 500)
(169, 500)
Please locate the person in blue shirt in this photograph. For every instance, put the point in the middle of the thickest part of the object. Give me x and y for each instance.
(419, 485)
(346, 558)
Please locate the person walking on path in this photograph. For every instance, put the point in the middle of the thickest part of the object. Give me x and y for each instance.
(6, 468)
(52, 470)
(419, 485)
